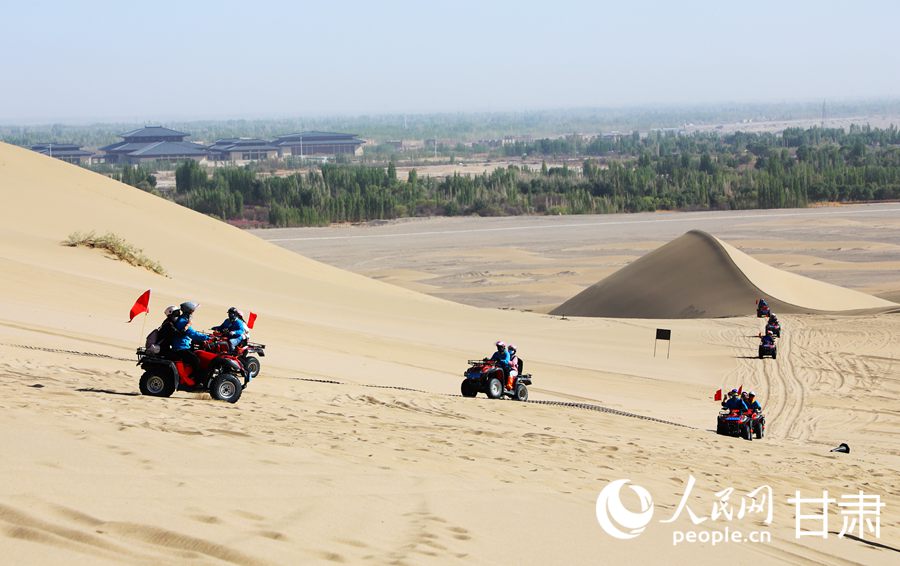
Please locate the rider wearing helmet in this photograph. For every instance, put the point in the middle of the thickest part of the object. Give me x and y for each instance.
(734, 401)
(513, 366)
(185, 335)
(501, 356)
(752, 403)
(234, 327)
(768, 339)
(166, 331)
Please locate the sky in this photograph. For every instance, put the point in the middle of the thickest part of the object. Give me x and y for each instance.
(92, 60)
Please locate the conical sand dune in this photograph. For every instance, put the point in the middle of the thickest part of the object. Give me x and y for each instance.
(699, 276)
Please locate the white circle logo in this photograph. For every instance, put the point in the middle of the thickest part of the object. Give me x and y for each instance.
(618, 521)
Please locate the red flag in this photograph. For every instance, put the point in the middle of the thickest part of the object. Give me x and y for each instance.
(718, 396)
(741, 388)
(251, 319)
(140, 305)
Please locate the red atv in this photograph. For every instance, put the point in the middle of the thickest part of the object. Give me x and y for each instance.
(218, 373)
(763, 311)
(248, 353)
(485, 376)
(744, 424)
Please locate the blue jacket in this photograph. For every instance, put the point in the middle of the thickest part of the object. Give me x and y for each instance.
(735, 403)
(755, 406)
(768, 340)
(185, 335)
(234, 328)
(502, 358)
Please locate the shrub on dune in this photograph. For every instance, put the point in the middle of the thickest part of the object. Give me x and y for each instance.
(117, 247)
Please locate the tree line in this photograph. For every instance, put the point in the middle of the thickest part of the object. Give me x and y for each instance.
(632, 173)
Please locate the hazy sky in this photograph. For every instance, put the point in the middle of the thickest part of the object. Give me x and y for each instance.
(158, 59)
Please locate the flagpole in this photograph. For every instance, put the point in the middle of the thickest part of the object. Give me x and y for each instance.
(143, 327)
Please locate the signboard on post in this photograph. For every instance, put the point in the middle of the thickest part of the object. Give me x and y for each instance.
(663, 334)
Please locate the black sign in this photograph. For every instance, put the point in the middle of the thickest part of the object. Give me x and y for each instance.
(663, 334)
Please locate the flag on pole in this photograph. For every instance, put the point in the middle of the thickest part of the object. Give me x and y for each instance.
(142, 304)
(741, 388)
(251, 319)
(718, 396)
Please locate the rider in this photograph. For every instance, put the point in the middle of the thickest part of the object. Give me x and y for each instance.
(761, 303)
(233, 327)
(185, 335)
(752, 403)
(734, 401)
(166, 331)
(768, 339)
(773, 319)
(513, 366)
(501, 356)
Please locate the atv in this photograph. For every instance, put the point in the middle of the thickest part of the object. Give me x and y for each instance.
(485, 376)
(775, 328)
(218, 373)
(735, 423)
(247, 352)
(762, 311)
(768, 350)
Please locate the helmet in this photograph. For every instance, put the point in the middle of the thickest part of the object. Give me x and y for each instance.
(233, 311)
(511, 347)
(751, 394)
(170, 309)
(768, 333)
(188, 307)
(500, 344)
(744, 394)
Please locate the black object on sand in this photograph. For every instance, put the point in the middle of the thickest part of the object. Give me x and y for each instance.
(842, 448)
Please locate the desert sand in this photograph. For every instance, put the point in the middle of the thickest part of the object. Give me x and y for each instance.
(353, 446)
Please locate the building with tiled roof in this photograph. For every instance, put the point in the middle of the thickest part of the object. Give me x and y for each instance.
(68, 152)
(242, 149)
(153, 143)
(318, 143)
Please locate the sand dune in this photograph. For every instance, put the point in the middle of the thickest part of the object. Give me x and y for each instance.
(699, 276)
(353, 446)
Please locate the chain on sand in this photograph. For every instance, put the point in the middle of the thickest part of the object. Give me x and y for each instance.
(572, 405)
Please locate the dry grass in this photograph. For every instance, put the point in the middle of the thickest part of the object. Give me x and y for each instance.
(117, 247)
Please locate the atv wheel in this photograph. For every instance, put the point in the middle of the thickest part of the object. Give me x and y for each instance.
(157, 384)
(226, 387)
(746, 433)
(521, 392)
(759, 430)
(468, 388)
(494, 388)
(251, 363)
(774, 354)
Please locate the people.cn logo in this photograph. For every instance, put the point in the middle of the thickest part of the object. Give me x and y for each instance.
(618, 521)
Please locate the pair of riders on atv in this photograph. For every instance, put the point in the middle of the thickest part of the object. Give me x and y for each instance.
(506, 358)
(175, 336)
(743, 402)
